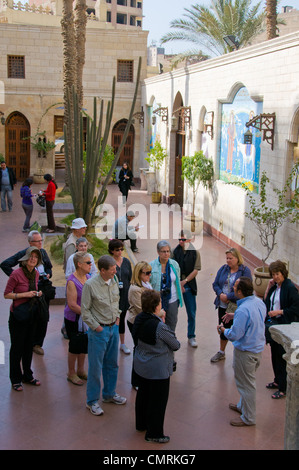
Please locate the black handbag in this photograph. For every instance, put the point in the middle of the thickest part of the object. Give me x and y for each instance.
(45, 285)
(268, 323)
(43, 309)
(41, 200)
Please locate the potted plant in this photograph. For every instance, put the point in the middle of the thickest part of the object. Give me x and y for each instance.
(156, 158)
(268, 220)
(42, 145)
(197, 170)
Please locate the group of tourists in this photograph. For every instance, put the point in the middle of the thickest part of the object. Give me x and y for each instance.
(104, 298)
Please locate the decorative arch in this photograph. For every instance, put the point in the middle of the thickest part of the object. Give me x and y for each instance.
(127, 153)
(17, 144)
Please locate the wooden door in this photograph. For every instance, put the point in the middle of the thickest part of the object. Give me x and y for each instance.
(17, 150)
(127, 152)
(179, 183)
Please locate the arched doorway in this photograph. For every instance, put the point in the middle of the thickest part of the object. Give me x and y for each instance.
(179, 150)
(17, 150)
(127, 152)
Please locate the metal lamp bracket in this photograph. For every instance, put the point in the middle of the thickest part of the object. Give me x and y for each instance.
(265, 123)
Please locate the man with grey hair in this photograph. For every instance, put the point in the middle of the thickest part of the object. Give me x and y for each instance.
(100, 311)
(123, 231)
(45, 285)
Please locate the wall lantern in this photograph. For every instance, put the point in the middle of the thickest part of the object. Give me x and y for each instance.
(231, 41)
(209, 126)
(140, 116)
(163, 112)
(154, 120)
(2, 119)
(265, 123)
(248, 137)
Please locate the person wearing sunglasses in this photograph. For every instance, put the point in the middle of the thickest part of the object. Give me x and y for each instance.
(124, 275)
(140, 282)
(75, 328)
(189, 261)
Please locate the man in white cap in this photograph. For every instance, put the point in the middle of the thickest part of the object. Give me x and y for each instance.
(123, 231)
(78, 230)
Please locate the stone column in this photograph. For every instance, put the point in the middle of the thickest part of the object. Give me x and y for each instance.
(288, 337)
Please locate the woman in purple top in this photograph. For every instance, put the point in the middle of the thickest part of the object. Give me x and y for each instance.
(75, 328)
(27, 205)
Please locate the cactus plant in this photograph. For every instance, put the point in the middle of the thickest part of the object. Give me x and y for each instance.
(82, 186)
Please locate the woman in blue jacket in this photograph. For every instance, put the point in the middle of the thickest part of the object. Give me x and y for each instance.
(224, 289)
(165, 278)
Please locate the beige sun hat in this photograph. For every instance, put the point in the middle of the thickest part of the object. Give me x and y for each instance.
(28, 253)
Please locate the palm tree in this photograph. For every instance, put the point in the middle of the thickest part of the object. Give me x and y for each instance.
(271, 19)
(207, 26)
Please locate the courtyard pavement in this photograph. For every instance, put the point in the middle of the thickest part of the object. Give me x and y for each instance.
(54, 417)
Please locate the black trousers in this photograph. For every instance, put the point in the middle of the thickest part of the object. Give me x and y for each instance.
(279, 365)
(50, 215)
(21, 336)
(134, 376)
(150, 406)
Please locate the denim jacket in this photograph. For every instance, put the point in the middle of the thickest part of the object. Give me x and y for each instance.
(156, 277)
(220, 279)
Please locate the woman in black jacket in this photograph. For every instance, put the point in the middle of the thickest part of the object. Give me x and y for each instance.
(282, 302)
(125, 180)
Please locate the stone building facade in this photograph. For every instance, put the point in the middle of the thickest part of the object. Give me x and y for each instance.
(31, 64)
(199, 101)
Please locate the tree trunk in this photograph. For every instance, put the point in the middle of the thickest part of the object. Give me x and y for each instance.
(80, 33)
(271, 18)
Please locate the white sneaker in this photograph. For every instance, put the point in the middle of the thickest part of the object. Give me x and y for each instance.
(124, 349)
(117, 399)
(192, 342)
(95, 409)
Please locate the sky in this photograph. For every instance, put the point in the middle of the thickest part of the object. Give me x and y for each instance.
(159, 13)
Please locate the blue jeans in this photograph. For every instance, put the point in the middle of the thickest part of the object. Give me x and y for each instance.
(190, 303)
(6, 192)
(102, 359)
(28, 209)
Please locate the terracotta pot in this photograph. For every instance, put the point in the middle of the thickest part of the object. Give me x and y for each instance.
(156, 198)
(261, 279)
(193, 223)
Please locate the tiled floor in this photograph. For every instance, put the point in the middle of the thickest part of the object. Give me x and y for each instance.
(54, 416)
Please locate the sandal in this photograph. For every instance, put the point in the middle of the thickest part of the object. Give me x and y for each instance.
(272, 385)
(278, 395)
(74, 379)
(82, 376)
(17, 387)
(34, 382)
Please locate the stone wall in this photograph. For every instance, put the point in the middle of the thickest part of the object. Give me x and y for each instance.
(269, 71)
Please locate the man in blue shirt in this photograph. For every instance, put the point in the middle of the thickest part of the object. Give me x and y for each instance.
(7, 182)
(248, 337)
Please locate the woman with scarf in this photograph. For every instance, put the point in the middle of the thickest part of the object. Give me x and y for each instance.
(125, 180)
(22, 289)
(153, 363)
(165, 278)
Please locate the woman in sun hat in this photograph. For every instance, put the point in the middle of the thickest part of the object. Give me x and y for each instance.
(22, 289)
